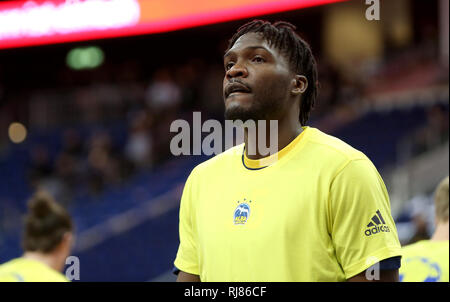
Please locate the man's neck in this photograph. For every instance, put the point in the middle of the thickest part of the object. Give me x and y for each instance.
(441, 232)
(47, 259)
(287, 132)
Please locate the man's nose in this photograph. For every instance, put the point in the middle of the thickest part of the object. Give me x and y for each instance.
(237, 70)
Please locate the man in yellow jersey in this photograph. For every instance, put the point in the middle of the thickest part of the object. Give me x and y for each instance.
(315, 211)
(427, 260)
(47, 243)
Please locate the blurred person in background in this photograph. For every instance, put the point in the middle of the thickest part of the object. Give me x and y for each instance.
(46, 175)
(421, 208)
(434, 132)
(103, 166)
(47, 242)
(163, 97)
(163, 94)
(428, 260)
(138, 148)
(40, 167)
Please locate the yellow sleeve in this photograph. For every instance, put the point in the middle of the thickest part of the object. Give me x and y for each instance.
(362, 229)
(187, 257)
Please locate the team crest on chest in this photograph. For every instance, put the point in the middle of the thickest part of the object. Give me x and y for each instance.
(241, 213)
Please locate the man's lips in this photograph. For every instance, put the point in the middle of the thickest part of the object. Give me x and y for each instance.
(236, 88)
(237, 93)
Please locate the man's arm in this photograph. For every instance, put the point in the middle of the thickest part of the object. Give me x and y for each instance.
(186, 277)
(387, 268)
(361, 224)
(187, 257)
(385, 276)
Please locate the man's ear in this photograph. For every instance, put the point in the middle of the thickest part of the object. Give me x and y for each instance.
(66, 242)
(300, 84)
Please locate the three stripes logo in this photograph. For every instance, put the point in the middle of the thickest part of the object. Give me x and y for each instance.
(377, 225)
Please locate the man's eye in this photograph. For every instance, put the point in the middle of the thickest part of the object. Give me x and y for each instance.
(228, 66)
(258, 59)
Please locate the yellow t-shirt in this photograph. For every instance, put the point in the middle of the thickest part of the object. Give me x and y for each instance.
(28, 270)
(316, 211)
(425, 261)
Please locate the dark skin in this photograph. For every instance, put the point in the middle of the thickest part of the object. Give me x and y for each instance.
(186, 277)
(274, 94)
(275, 89)
(385, 276)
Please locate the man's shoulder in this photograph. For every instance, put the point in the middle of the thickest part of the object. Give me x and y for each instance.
(21, 269)
(427, 244)
(16, 262)
(331, 145)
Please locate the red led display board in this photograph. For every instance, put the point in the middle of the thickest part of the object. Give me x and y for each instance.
(38, 22)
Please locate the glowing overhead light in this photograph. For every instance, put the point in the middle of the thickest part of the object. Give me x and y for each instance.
(85, 58)
(33, 19)
(17, 133)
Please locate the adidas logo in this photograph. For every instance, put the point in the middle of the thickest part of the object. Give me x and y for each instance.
(377, 225)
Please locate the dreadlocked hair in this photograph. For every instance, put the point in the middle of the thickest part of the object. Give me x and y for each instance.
(282, 36)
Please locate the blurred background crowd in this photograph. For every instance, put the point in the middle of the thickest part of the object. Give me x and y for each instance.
(98, 139)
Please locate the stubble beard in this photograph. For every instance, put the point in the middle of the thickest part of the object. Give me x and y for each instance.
(256, 111)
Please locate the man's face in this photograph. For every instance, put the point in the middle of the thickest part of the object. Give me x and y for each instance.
(257, 80)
